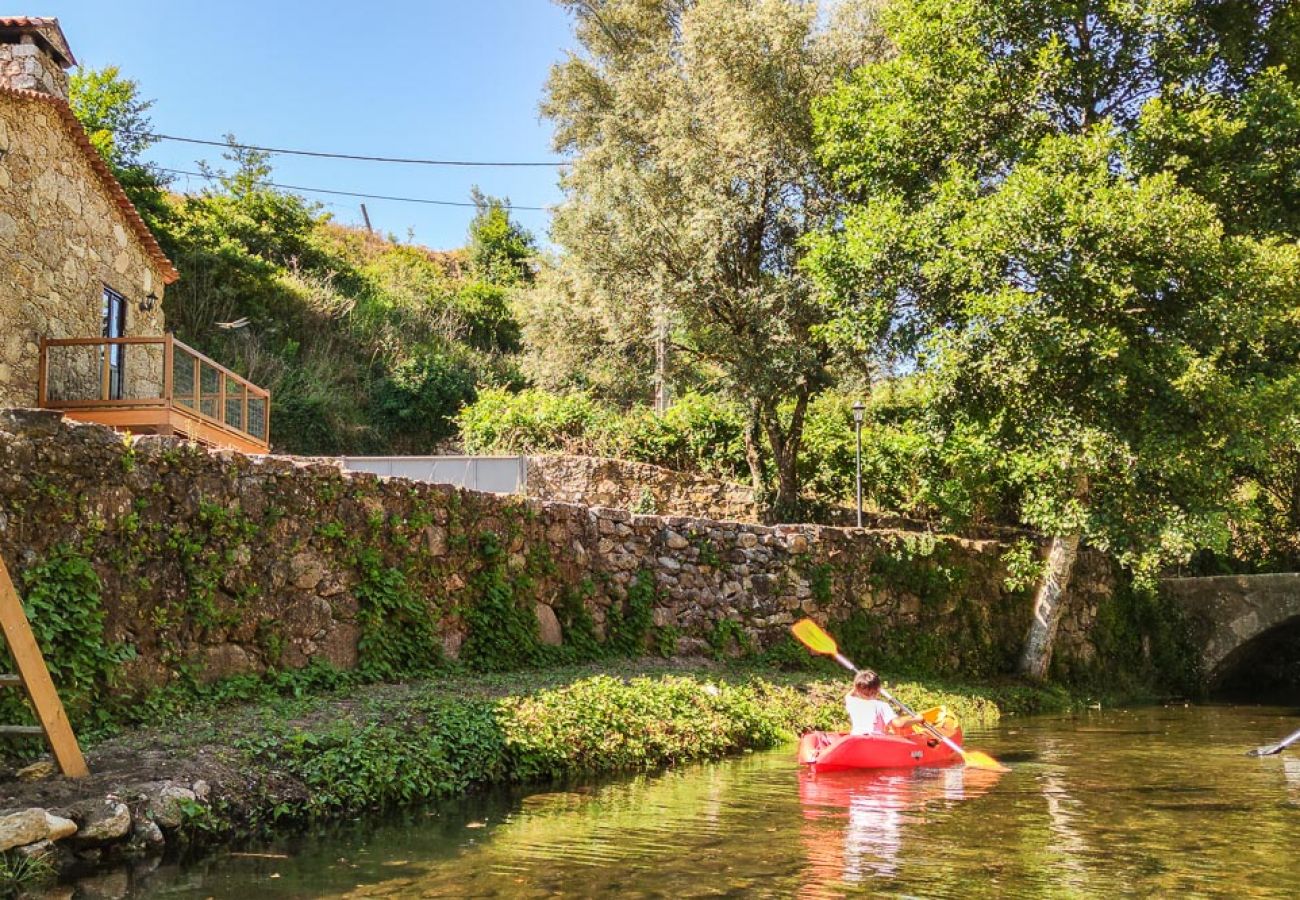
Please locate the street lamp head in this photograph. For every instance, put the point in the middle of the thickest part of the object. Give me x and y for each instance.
(858, 410)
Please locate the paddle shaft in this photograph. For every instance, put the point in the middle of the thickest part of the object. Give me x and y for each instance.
(842, 660)
(1282, 744)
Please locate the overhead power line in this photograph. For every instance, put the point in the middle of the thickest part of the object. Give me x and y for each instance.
(313, 190)
(324, 155)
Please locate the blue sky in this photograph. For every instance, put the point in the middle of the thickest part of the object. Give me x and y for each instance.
(434, 79)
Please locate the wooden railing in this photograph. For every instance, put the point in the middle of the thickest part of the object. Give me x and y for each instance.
(155, 384)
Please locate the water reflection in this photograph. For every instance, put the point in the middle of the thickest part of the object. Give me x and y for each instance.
(854, 821)
(1291, 771)
(1149, 802)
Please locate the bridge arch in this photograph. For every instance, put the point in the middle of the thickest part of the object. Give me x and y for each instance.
(1235, 616)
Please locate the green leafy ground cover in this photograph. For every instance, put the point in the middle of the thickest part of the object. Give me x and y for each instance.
(318, 745)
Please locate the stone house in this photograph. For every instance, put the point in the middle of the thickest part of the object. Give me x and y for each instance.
(82, 277)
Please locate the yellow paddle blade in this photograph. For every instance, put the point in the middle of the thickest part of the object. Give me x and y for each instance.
(810, 634)
(977, 760)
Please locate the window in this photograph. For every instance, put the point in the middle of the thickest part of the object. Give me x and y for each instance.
(113, 313)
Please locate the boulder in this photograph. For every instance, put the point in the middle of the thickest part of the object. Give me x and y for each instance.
(147, 833)
(306, 570)
(166, 805)
(39, 851)
(59, 827)
(548, 626)
(435, 540)
(224, 661)
(24, 826)
(100, 821)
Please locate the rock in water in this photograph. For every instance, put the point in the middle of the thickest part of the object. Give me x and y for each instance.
(24, 826)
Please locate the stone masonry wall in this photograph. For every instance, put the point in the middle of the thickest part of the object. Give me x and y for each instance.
(620, 484)
(218, 563)
(62, 239)
(25, 66)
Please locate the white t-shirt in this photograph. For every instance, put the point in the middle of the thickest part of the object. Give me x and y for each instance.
(868, 716)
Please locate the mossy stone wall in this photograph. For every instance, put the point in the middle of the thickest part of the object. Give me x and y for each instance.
(208, 564)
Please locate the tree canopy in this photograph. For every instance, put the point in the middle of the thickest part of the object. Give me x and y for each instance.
(1106, 295)
(692, 183)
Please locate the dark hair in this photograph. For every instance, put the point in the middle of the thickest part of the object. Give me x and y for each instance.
(866, 683)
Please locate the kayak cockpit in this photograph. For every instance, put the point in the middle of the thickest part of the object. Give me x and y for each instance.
(914, 746)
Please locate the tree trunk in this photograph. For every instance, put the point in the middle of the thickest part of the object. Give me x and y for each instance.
(753, 453)
(661, 360)
(786, 444)
(1048, 606)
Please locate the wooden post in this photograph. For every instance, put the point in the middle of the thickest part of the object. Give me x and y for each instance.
(365, 215)
(37, 682)
(221, 397)
(42, 376)
(168, 360)
(104, 372)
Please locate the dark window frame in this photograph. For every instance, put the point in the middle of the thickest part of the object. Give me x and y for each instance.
(112, 311)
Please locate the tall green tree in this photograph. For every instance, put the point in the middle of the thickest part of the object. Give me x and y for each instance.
(692, 183)
(1064, 261)
(501, 251)
(116, 119)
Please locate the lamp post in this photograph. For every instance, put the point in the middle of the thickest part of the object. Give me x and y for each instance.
(858, 410)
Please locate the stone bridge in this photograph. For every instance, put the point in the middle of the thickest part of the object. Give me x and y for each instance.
(1233, 614)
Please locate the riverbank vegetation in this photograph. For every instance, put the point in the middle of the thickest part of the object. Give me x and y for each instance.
(316, 745)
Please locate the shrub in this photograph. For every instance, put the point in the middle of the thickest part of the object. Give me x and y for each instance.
(418, 398)
(531, 421)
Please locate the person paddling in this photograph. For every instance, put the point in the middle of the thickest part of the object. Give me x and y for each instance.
(868, 713)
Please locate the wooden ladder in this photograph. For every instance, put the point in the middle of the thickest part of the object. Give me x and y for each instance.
(34, 678)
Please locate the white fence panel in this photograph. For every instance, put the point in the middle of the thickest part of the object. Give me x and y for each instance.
(496, 474)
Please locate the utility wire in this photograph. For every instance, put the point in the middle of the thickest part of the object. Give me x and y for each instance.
(318, 153)
(312, 190)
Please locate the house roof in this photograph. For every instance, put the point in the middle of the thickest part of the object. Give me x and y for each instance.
(45, 30)
(102, 172)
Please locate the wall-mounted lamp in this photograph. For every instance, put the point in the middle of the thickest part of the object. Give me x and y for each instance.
(148, 303)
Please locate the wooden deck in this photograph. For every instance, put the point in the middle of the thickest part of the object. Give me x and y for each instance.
(154, 385)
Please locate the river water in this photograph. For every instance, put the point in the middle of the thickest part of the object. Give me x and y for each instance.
(1142, 802)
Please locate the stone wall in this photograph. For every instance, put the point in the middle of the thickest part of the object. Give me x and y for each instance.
(620, 484)
(218, 563)
(25, 66)
(62, 239)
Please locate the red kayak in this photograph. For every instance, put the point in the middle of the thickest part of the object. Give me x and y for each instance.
(827, 751)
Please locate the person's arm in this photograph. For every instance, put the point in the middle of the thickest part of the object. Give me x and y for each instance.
(902, 722)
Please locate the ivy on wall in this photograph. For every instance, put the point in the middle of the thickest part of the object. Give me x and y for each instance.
(399, 634)
(62, 597)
